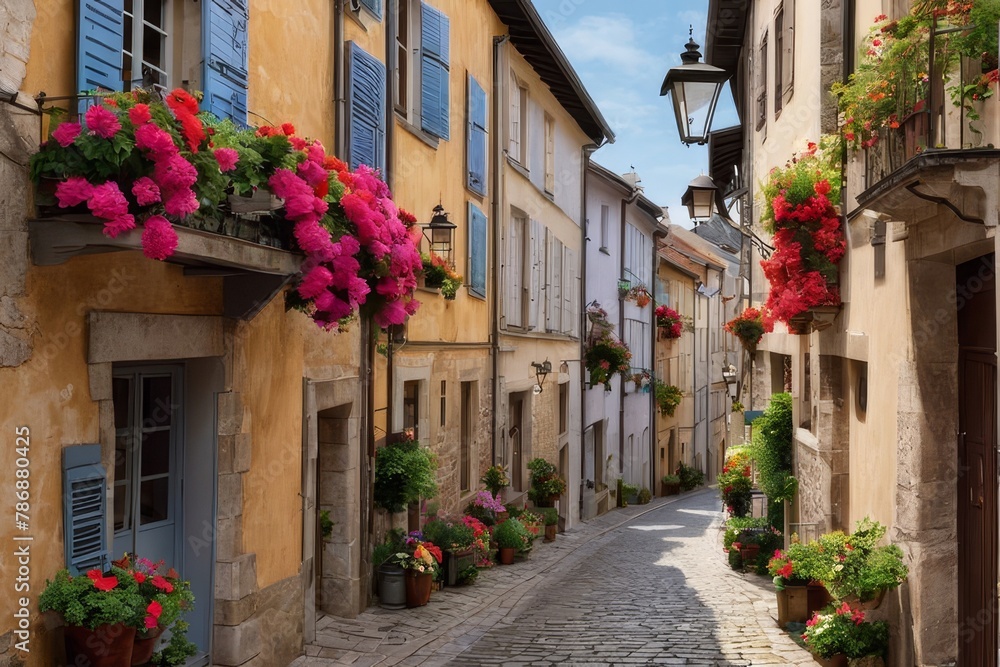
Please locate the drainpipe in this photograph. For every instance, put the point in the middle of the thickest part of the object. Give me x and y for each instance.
(389, 172)
(621, 332)
(658, 234)
(339, 103)
(498, 42)
(581, 323)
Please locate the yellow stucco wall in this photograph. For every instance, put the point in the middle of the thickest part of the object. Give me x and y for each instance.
(53, 395)
(271, 386)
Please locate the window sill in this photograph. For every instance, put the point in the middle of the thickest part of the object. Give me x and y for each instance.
(475, 193)
(604, 250)
(518, 167)
(431, 141)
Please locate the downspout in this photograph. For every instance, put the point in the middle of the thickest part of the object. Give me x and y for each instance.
(581, 317)
(653, 432)
(621, 332)
(498, 42)
(389, 173)
(339, 104)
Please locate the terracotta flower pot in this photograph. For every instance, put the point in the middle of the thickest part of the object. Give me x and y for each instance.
(418, 588)
(836, 660)
(104, 646)
(749, 554)
(817, 598)
(507, 555)
(142, 647)
(550, 533)
(867, 605)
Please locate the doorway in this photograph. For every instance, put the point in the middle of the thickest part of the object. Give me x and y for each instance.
(519, 440)
(977, 464)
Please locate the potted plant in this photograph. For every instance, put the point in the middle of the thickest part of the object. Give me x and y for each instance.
(546, 485)
(671, 485)
(691, 478)
(605, 357)
(486, 508)
(551, 518)
(166, 596)
(627, 493)
(511, 537)
(798, 573)
(420, 561)
(404, 473)
(644, 496)
(455, 539)
(532, 522)
(841, 633)
(390, 582)
(669, 324)
(748, 327)
(802, 215)
(495, 480)
(480, 541)
(101, 612)
(864, 571)
(668, 397)
(736, 483)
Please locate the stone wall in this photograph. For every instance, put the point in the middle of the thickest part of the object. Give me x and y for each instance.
(832, 428)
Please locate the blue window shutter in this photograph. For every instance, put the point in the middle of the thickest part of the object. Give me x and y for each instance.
(476, 153)
(366, 100)
(225, 25)
(478, 242)
(375, 6)
(84, 508)
(100, 40)
(434, 66)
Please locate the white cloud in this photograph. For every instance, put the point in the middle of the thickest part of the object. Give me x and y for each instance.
(608, 39)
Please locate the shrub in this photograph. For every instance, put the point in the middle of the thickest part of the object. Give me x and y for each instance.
(771, 451)
(468, 576)
(735, 525)
(843, 629)
(449, 535)
(511, 534)
(644, 496)
(545, 481)
(404, 473)
(864, 569)
(671, 479)
(550, 516)
(690, 477)
(495, 479)
(735, 559)
(735, 483)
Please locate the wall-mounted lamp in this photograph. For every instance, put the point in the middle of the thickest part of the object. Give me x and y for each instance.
(703, 199)
(441, 230)
(694, 88)
(730, 377)
(542, 369)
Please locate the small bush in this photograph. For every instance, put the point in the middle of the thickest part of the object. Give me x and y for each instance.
(644, 496)
(691, 478)
(735, 559)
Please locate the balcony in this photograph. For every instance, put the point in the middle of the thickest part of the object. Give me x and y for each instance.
(942, 158)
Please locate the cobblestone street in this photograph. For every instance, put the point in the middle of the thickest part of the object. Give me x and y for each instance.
(644, 585)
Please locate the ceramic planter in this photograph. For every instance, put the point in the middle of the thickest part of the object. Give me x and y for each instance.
(418, 588)
(506, 555)
(104, 646)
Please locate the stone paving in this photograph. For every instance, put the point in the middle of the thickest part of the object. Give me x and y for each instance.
(645, 585)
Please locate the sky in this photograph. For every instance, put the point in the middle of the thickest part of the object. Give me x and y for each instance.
(621, 51)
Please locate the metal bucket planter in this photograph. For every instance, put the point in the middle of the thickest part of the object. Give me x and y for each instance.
(391, 587)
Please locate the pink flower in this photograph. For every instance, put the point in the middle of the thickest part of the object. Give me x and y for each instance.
(159, 581)
(66, 133)
(102, 122)
(107, 201)
(154, 141)
(119, 225)
(146, 192)
(315, 282)
(73, 191)
(139, 114)
(181, 203)
(159, 240)
(227, 158)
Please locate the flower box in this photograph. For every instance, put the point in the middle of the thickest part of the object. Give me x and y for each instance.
(261, 201)
(816, 318)
(793, 605)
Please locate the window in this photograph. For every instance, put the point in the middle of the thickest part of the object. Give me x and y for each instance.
(518, 135)
(131, 44)
(373, 6)
(779, 42)
(478, 244)
(411, 407)
(605, 222)
(550, 154)
(468, 421)
(762, 83)
(444, 402)
(638, 256)
(570, 292)
(421, 85)
(787, 55)
(514, 272)
(638, 341)
(554, 286)
(476, 149)
(563, 407)
(366, 101)
(145, 47)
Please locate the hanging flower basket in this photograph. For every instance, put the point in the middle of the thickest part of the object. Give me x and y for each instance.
(748, 327)
(817, 318)
(669, 323)
(640, 295)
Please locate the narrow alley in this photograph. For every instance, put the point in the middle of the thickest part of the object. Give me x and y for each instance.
(646, 585)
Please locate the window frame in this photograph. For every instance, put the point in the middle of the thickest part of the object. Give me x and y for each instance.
(138, 20)
(761, 87)
(550, 155)
(519, 92)
(521, 286)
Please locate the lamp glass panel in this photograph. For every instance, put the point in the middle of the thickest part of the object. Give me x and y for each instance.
(695, 103)
(701, 203)
(441, 235)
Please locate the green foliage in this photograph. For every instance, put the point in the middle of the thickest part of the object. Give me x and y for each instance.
(798, 178)
(671, 479)
(545, 481)
(769, 542)
(862, 568)
(843, 629)
(737, 524)
(735, 482)
(511, 534)
(735, 559)
(644, 496)
(668, 397)
(771, 450)
(629, 490)
(691, 478)
(495, 479)
(404, 473)
(325, 524)
(178, 650)
(468, 576)
(449, 535)
(605, 357)
(550, 516)
(82, 604)
(802, 563)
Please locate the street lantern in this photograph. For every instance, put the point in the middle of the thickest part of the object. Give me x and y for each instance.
(441, 230)
(703, 199)
(694, 88)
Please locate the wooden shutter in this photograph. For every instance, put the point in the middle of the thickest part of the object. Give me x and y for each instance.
(554, 286)
(514, 283)
(478, 243)
(366, 100)
(84, 508)
(100, 40)
(375, 6)
(226, 77)
(788, 55)
(571, 295)
(434, 65)
(536, 293)
(514, 127)
(476, 150)
(761, 88)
